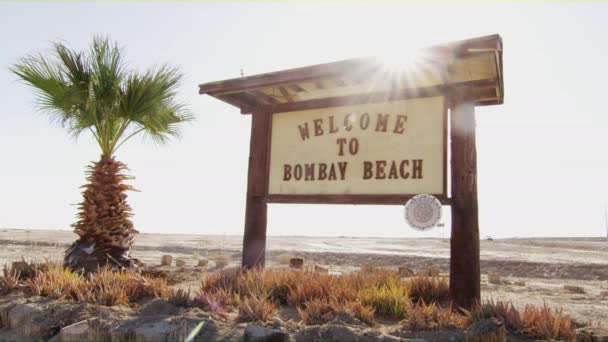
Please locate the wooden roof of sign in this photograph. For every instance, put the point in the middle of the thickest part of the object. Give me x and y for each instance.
(473, 63)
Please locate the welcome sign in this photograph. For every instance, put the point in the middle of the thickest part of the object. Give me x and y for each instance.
(392, 148)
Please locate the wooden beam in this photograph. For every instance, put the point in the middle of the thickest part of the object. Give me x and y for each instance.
(296, 88)
(285, 93)
(346, 199)
(265, 98)
(371, 97)
(254, 237)
(464, 242)
(339, 82)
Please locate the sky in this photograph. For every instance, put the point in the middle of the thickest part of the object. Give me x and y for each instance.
(542, 163)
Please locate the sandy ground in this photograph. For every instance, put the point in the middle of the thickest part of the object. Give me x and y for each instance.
(545, 265)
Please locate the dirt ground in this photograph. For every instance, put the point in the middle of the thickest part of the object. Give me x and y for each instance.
(544, 265)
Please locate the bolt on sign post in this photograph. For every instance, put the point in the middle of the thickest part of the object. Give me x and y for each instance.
(361, 132)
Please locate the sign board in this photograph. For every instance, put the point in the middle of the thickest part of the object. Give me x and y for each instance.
(387, 148)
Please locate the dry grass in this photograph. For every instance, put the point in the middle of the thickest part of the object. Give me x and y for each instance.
(429, 289)
(424, 316)
(574, 289)
(256, 309)
(494, 278)
(105, 287)
(180, 297)
(537, 322)
(431, 271)
(317, 311)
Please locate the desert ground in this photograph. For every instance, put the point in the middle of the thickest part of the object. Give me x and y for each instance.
(545, 265)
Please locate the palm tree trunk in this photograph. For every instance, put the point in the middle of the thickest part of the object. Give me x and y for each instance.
(104, 224)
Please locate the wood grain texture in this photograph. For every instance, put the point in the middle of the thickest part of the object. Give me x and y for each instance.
(254, 237)
(464, 243)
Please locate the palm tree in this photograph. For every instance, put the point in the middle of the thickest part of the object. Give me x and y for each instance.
(92, 91)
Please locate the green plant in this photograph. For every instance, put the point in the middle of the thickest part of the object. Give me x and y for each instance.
(390, 299)
(92, 91)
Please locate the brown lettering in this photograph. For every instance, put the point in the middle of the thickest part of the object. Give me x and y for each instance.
(322, 171)
(286, 172)
(364, 121)
(417, 169)
(332, 128)
(404, 174)
(367, 170)
(399, 124)
(341, 142)
(304, 131)
(382, 122)
(318, 126)
(353, 146)
(332, 172)
(297, 172)
(380, 164)
(309, 172)
(342, 168)
(392, 174)
(347, 122)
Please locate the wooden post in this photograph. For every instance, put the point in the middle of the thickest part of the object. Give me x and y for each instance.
(254, 239)
(464, 243)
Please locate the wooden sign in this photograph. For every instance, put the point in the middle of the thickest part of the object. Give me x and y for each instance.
(396, 147)
(359, 132)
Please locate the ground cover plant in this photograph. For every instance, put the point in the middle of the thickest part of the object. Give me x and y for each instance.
(416, 303)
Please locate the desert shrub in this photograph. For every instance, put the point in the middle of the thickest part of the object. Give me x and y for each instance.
(180, 297)
(422, 316)
(429, 289)
(390, 299)
(494, 278)
(431, 271)
(317, 311)
(10, 279)
(519, 283)
(256, 309)
(504, 311)
(544, 323)
(361, 312)
(105, 287)
(538, 322)
(574, 289)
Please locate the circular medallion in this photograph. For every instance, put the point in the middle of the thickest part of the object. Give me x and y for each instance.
(423, 211)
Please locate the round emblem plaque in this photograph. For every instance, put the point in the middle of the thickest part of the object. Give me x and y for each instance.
(423, 212)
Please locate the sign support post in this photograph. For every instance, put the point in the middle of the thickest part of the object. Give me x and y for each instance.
(464, 242)
(254, 238)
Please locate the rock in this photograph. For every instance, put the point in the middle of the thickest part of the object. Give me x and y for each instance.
(277, 322)
(203, 263)
(405, 271)
(180, 262)
(75, 332)
(158, 307)
(26, 318)
(592, 334)
(166, 260)
(491, 329)
(321, 269)
(5, 308)
(255, 333)
(519, 283)
(297, 263)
